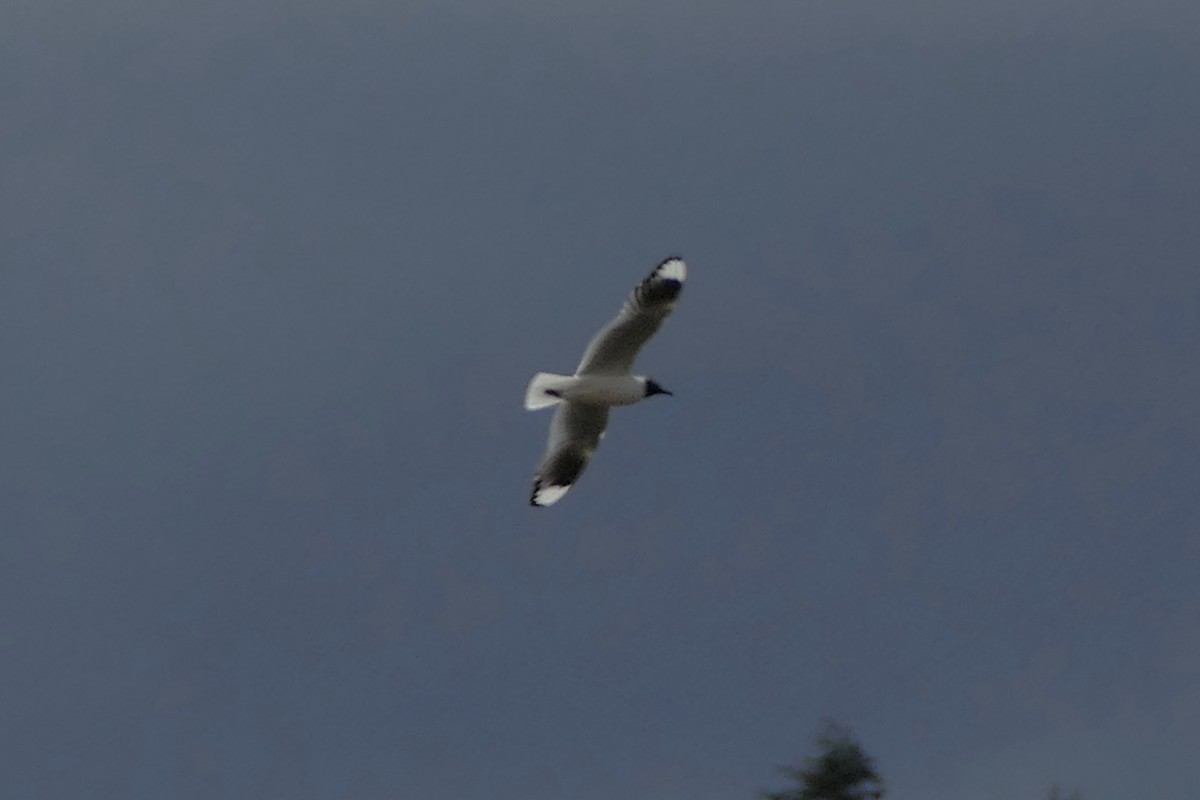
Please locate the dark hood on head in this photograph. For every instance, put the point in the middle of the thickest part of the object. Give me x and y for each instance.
(654, 388)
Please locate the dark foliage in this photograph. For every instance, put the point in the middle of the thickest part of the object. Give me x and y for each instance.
(841, 772)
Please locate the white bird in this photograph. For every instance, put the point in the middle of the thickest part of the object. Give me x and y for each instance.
(601, 380)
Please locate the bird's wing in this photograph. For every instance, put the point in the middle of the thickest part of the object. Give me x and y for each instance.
(575, 432)
(614, 348)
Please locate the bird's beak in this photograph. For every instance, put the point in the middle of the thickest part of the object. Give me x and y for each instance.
(664, 391)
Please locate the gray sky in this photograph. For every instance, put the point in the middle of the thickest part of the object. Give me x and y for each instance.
(275, 275)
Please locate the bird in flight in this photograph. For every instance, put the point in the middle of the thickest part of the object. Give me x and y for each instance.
(603, 379)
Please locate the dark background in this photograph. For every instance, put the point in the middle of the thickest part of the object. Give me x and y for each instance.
(275, 275)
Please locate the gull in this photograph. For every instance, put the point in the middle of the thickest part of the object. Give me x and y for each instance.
(603, 379)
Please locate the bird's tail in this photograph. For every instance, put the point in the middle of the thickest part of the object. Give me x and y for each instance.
(545, 390)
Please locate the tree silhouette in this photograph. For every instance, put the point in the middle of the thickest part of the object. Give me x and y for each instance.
(842, 771)
(1056, 793)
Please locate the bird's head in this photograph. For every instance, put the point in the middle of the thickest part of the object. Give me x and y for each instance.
(653, 388)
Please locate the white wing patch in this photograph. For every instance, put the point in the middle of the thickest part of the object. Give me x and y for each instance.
(548, 495)
(673, 269)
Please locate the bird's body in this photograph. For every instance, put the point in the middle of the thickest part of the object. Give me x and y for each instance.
(547, 389)
(603, 379)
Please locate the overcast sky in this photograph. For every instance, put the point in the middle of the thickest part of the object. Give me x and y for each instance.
(274, 275)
